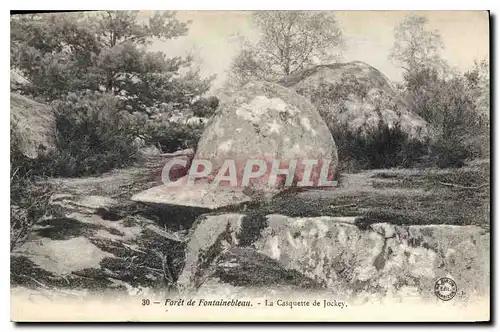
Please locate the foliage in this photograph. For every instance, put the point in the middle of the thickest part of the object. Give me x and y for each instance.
(478, 82)
(95, 68)
(105, 52)
(92, 137)
(170, 137)
(420, 90)
(415, 45)
(205, 107)
(290, 41)
(381, 147)
(455, 104)
(458, 110)
(29, 199)
(29, 205)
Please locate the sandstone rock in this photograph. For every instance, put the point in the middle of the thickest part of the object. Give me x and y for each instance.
(94, 202)
(150, 151)
(381, 260)
(33, 125)
(263, 121)
(356, 95)
(353, 260)
(266, 121)
(186, 152)
(203, 195)
(248, 267)
(84, 252)
(98, 239)
(210, 234)
(196, 120)
(64, 256)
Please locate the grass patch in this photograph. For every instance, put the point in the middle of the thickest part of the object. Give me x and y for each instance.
(395, 196)
(26, 273)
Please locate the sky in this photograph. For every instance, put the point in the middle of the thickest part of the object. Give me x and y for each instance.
(369, 37)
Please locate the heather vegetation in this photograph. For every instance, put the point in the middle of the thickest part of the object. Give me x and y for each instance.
(455, 104)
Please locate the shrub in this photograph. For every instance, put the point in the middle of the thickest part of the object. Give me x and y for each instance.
(205, 107)
(170, 137)
(170, 129)
(92, 136)
(380, 147)
(29, 199)
(447, 152)
(457, 107)
(29, 204)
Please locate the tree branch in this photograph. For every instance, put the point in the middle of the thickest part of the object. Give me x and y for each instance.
(463, 187)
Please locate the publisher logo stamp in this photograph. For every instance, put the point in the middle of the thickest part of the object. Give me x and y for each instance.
(445, 288)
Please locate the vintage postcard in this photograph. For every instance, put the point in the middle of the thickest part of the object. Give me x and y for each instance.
(250, 166)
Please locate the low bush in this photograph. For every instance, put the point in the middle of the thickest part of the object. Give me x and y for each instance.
(29, 205)
(381, 147)
(457, 107)
(170, 137)
(449, 153)
(92, 137)
(29, 198)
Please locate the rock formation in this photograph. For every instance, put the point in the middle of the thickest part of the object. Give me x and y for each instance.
(263, 121)
(353, 261)
(356, 95)
(33, 124)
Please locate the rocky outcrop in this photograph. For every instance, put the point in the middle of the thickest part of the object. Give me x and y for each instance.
(351, 259)
(33, 124)
(96, 239)
(210, 236)
(353, 242)
(358, 96)
(264, 122)
(84, 253)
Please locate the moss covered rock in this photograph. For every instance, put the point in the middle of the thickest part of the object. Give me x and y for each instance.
(376, 261)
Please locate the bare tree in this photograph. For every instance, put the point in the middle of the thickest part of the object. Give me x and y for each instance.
(289, 41)
(416, 46)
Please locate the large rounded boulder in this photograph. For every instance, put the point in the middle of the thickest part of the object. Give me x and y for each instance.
(356, 96)
(263, 127)
(268, 122)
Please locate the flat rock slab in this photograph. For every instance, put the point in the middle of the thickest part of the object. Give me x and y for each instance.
(201, 195)
(65, 256)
